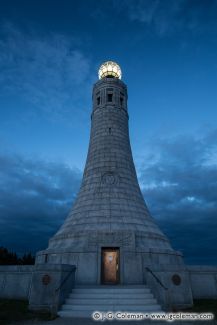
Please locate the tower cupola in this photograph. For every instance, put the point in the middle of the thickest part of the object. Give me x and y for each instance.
(109, 69)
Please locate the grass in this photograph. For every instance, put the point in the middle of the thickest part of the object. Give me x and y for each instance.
(12, 310)
(204, 306)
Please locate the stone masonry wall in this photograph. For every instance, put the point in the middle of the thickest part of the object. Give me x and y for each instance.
(203, 280)
(15, 281)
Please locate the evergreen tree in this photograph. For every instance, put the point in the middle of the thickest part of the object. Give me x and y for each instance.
(11, 258)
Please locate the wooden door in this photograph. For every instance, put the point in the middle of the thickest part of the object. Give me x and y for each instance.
(110, 265)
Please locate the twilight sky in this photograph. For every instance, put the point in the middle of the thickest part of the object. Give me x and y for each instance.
(50, 52)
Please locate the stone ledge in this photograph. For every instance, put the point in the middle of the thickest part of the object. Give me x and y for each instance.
(202, 268)
(17, 268)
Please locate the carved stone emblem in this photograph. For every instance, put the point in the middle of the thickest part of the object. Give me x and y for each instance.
(110, 178)
(46, 279)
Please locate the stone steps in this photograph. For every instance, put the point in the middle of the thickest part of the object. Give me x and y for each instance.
(82, 302)
(109, 301)
(107, 295)
(111, 307)
(124, 290)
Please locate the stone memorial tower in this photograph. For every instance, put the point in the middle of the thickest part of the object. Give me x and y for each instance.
(109, 234)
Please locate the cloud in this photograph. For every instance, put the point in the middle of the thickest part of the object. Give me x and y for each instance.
(49, 72)
(169, 16)
(178, 179)
(179, 182)
(35, 198)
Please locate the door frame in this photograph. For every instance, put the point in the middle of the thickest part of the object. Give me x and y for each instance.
(112, 248)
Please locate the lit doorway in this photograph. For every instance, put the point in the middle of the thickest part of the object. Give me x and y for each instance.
(110, 265)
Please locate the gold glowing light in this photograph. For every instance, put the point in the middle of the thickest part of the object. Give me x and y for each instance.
(109, 69)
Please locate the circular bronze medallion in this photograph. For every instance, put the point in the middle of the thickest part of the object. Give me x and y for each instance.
(176, 279)
(46, 279)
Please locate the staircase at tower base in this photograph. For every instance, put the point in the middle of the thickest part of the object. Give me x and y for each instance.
(85, 300)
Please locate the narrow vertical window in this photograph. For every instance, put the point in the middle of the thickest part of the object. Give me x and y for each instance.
(98, 100)
(46, 258)
(109, 97)
(121, 99)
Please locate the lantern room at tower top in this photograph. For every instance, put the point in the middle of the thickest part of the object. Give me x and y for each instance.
(109, 69)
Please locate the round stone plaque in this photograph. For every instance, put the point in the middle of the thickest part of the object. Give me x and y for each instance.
(46, 279)
(176, 279)
(110, 178)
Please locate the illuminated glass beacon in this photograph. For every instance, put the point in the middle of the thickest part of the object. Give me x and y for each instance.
(109, 69)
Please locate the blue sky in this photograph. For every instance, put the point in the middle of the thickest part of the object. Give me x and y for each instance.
(50, 52)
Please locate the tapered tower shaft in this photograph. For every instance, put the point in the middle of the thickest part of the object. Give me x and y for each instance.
(110, 198)
(110, 211)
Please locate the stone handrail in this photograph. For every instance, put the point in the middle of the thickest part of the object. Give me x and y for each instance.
(64, 280)
(156, 278)
(54, 308)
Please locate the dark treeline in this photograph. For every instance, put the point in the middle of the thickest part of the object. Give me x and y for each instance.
(11, 258)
